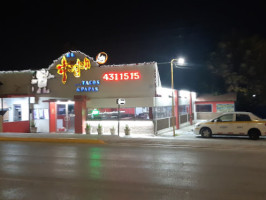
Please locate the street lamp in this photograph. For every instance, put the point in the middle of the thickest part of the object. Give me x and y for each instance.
(180, 61)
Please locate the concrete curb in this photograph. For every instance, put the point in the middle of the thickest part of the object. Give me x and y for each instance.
(55, 140)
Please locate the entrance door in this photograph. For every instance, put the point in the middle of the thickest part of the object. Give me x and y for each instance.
(65, 121)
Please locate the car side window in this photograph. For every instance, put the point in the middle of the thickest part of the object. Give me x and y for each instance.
(242, 118)
(225, 118)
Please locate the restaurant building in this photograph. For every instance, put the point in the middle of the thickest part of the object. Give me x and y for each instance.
(209, 106)
(76, 90)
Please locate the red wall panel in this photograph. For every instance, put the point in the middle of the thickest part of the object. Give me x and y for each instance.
(17, 127)
(80, 114)
(52, 118)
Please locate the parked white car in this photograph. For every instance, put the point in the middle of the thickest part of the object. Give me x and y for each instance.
(233, 123)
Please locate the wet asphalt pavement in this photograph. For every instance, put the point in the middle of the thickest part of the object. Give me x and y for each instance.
(134, 169)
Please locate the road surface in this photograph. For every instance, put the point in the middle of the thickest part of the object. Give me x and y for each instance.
(36, 171)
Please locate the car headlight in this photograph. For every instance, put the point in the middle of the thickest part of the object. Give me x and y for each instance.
(197, 125)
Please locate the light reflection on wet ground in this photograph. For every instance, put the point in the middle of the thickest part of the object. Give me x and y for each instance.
(82, 171)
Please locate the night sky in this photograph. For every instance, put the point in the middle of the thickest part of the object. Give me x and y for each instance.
(33, 34)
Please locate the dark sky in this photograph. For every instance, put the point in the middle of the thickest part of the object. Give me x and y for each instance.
(33, 34)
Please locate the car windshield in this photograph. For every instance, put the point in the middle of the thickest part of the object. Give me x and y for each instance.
(255, 117)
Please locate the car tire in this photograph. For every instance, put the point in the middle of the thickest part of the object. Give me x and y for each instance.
(206, 132)
(254, 134)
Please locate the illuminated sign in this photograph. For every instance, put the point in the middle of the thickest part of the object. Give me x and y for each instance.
(121, 101)
(88, 86)
(40, 79)
(65, 67)
(101, 58)
(121, 76)
(70, 54)
(225, 107)
(95, 112)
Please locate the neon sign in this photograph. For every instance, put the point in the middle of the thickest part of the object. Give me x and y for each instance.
(65, 67)
(88, 86)
(41, 79)
(101, 58)
(121, 76)
(95, 112)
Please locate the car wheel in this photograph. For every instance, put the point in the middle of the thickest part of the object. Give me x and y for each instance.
(254, 134)
(206, 132)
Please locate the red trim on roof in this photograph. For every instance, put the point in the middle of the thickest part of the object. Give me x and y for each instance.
(55, 100)
(16, 95)
(211, 97)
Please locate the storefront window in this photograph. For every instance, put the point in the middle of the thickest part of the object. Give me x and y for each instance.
(61, 109)
(16, 109)
(183, 109)
(204, 108)
(40, 113)
(162, 112)
(138, 113)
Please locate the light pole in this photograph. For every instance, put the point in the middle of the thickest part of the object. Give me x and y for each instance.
(180, 61)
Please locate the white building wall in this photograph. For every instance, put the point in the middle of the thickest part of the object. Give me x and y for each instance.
(111, 103)
(184, 97)
(165, 97)
(163, 101)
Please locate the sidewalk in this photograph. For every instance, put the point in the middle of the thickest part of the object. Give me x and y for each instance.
(93, 138)
(184, 138)
(183, 132)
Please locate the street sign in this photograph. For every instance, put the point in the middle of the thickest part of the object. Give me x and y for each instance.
(121, 101)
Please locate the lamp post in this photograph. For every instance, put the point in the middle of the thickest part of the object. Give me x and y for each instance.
(180, 61)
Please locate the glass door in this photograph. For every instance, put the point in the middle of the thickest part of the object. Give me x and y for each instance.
(71, 117)
(65, 121)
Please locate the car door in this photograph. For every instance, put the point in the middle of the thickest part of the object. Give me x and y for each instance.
(223, 124)
(241, 124)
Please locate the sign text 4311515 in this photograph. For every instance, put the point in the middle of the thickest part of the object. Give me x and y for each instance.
(121, 76)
